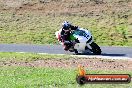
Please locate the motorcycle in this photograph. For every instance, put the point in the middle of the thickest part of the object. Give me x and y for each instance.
(82, 40)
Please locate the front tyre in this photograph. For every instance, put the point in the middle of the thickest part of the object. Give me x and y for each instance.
(95, 48)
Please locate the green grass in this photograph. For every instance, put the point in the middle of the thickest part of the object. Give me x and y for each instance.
(31, 77)
(45, 77)
(41, 30)
(110, 27)
(8, 56)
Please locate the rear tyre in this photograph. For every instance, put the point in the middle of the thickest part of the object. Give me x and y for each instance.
(95, 48)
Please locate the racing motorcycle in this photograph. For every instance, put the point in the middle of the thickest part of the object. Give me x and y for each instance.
(82, 41)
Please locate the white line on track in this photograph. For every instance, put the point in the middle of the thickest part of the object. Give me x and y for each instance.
(92, 56)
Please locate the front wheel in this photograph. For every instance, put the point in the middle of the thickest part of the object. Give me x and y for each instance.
(95, 48)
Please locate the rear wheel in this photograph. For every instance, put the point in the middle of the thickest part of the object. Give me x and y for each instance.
(95, 48)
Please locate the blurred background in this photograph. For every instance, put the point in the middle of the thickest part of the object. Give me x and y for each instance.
(36, 21)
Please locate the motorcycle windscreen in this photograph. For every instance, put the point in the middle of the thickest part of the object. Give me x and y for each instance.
(82, 35)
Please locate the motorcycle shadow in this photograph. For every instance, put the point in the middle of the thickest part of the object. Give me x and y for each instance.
(105, 54)
(102, 54)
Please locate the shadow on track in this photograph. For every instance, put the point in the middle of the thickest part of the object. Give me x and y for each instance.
(103, 54)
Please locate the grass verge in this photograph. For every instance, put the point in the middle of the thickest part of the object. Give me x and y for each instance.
(30, 77)
(8, 56)
(45, 77)
(35, 28)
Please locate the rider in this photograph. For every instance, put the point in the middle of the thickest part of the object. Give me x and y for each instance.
(66, 30)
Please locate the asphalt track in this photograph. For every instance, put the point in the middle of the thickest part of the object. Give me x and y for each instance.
(107, 51)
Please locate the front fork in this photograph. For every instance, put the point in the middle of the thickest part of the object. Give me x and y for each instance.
(88, 46)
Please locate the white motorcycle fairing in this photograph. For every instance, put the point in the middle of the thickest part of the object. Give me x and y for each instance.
(84, 37)
(82, 41)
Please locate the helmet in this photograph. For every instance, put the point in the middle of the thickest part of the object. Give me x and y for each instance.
(66, 25)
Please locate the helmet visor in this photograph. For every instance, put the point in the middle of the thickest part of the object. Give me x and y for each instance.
(66, 28)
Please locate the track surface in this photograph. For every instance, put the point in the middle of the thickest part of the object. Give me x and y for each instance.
(57, 49)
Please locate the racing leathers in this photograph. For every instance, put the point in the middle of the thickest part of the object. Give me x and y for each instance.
(65, 36)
